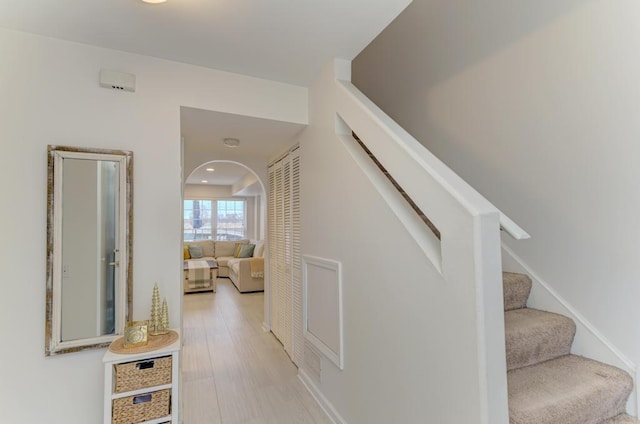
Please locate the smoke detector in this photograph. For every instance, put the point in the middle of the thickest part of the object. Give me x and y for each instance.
(231, 142)
(117, 80)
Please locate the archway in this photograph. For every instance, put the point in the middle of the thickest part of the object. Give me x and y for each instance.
(260, 218)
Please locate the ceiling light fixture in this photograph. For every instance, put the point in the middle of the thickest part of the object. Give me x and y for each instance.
(231, 142)
(204, 181)
(154, 1)
(210, 169)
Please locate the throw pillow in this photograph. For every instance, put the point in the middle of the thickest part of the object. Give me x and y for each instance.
(195, 252)
(246, 251)
(185, 253)
(236, 250)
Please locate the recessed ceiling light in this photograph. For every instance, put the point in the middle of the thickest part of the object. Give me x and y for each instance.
(154, 1)
(210, 169)
(231, 142)
(204, 181)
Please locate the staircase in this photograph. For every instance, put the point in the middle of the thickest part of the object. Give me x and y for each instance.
(546, 383)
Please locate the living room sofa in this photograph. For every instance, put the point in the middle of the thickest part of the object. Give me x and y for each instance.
(223, 253)
(247, 274)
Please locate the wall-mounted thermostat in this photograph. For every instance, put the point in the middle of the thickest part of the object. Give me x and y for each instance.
(117, 80)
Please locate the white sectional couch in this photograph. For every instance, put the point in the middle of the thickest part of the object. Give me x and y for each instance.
(222, 252)
(247, 274)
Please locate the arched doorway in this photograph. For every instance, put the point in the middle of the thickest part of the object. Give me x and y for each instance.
(241, 181)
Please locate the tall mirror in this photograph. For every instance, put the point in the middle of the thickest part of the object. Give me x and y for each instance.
(89, 247)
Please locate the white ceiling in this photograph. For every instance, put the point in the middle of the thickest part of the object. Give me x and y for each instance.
(224, 173)
(204, 131)
(281, 40)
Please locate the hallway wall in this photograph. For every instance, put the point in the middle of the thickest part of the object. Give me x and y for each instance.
(51, 95)
(535, 104)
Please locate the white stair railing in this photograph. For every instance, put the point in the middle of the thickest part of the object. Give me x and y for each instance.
(467, 254)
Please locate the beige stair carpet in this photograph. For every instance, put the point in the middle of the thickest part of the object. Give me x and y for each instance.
(621, 419)
(567, 390)
(546, 384)
(534, 336)
(516, 290)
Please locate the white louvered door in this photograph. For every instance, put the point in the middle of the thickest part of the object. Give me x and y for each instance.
(286, 311)
(275, 243)
(285, 256)
(297, 339)
(271, 232)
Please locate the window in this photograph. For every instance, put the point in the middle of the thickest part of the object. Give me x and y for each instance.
(214, 219)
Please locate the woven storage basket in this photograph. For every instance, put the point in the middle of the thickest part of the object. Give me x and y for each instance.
(141, 374)
(144, 407)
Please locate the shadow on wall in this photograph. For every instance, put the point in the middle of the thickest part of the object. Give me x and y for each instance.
(458, 33)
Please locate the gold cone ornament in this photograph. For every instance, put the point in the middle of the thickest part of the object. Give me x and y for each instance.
(164, 318)
(154, 321)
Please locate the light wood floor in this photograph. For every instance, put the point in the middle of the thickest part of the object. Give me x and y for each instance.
(232, 371)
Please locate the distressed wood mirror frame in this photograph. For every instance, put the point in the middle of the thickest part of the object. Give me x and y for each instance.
(118, 258)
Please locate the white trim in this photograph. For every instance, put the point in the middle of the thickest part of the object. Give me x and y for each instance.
(588, 341)
(336, 357)
(492, 361)
(324, 403)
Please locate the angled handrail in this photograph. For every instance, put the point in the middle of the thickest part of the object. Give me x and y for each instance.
(425, 159)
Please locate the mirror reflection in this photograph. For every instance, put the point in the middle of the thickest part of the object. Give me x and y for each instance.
(89, 245)
(89, 223)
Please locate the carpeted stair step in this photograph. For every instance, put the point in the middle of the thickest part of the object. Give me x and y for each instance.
(516, 288)
(534, 336)
(621, 419)
(567, 390)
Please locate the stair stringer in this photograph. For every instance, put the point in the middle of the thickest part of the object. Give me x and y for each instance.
(588, 341)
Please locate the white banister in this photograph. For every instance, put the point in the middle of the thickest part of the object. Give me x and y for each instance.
(426, 160)
(465, 253)
(511, 228)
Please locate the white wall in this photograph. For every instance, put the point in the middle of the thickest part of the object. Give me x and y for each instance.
(50, 95)
(536, 105)
(410, 333)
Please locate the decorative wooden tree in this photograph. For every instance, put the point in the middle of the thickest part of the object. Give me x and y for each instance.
(164, 317)
(154, 322)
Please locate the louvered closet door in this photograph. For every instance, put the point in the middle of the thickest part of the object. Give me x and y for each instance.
(271, 231)
(275, 242)
(285, 257)
(286, 310)
(297, 339)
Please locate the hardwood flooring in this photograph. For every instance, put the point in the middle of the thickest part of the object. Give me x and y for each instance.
(232, 371)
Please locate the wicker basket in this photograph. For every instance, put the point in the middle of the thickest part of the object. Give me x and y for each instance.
(144, 407)
(141, 374)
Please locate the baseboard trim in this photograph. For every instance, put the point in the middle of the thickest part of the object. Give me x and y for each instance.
(324, 403)
(589, 341)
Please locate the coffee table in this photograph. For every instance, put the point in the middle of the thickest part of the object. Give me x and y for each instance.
(197, 270)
